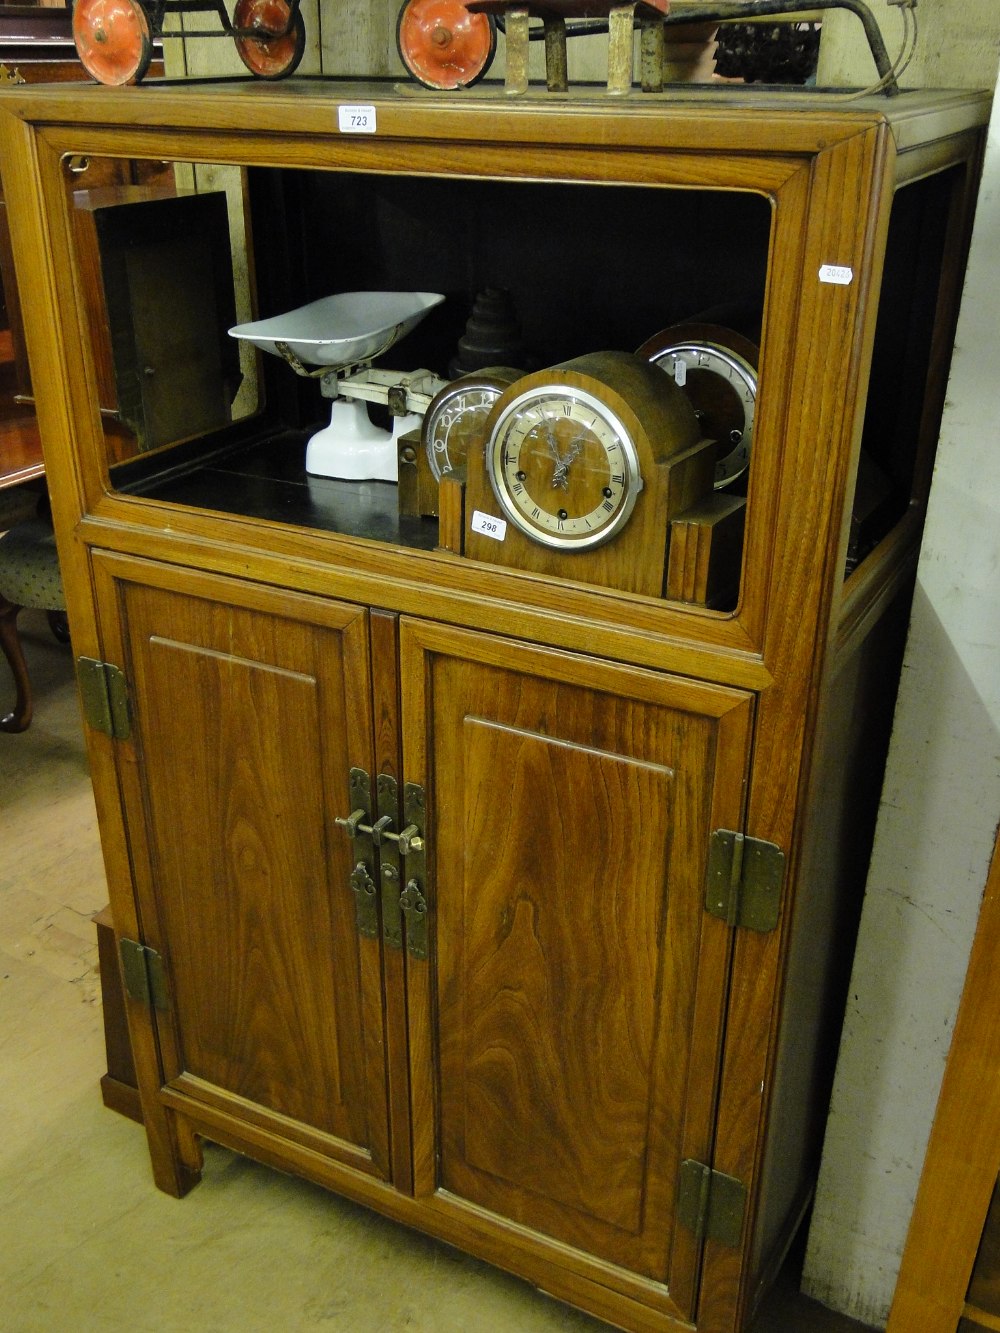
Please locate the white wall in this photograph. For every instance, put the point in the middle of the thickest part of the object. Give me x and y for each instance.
(957, 44)
(941, 798)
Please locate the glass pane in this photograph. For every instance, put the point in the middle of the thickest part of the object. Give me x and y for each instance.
(162, 251)
(908, 370)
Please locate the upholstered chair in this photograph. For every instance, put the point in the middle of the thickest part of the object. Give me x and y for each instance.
(29, 576)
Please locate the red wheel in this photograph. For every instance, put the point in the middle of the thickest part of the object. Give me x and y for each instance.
(269, 57)
(112, 39)
(443, 45)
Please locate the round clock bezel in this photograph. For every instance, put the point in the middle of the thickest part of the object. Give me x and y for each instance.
(632, 476)
(493, 382)
(690, 350)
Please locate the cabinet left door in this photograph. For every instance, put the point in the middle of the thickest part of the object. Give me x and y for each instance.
(249, 708)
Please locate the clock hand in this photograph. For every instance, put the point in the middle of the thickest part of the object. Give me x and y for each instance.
(550, 441)
(560, 477)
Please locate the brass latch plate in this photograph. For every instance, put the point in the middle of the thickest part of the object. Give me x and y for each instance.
(389, 863)
(413, 901)
(397, 859)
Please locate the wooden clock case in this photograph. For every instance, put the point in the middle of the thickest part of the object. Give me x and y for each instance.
(578, 1015)
(674, 464)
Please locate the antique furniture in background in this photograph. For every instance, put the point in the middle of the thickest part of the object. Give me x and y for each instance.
(29, 576)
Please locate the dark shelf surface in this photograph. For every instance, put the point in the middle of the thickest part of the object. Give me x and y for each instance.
(267, 479)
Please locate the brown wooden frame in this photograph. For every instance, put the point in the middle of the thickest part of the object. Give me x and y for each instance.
(799, 637)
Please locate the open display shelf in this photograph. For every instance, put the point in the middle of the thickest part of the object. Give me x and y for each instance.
(499, 878)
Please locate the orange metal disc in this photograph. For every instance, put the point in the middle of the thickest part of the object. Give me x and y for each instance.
(264, 56)
(112, 39)
(443, 45)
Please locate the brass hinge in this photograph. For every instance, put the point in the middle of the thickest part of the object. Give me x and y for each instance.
(105, 697)
(143, 974)
(710, 1204)
(744, 881)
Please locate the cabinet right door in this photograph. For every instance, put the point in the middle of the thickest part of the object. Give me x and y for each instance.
(566, 1026)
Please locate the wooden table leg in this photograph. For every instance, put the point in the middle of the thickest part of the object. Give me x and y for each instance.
(10, 642)
(652, 52)
(621, 26)
(556, 72)
(516, 27)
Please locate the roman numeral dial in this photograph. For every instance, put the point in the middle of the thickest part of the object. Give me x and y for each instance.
(563, 466)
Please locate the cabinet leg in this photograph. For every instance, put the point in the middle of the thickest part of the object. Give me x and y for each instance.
(176, 1162)
(174, 1151)
(189, 1147)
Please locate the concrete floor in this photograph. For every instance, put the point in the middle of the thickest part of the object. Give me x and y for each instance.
(86, 1241)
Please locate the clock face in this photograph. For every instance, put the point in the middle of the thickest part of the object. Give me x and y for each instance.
(457, 415)
(722, 387)
(563, 467)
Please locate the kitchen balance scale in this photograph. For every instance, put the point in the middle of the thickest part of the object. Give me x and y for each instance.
(335, 340)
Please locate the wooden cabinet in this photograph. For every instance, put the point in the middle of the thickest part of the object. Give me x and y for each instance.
(515, 906)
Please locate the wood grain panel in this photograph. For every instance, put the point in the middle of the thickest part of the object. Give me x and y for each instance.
(570, 939)
(388, 761)
(246, 726)
(555, 1065)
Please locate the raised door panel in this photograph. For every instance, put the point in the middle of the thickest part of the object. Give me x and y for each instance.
(566, 1031)
(246, 724)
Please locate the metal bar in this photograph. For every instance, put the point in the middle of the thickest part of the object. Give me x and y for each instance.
(227, 28)
(583, 28)
(742, 10)
(251, 34)
(556, 76)
(189, 7)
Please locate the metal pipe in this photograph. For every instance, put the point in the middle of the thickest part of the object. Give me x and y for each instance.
(753, 9)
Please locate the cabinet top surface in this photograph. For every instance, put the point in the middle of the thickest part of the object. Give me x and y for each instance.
(693, 117)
